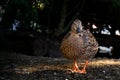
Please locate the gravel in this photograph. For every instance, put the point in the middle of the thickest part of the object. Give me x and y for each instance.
(16, 66)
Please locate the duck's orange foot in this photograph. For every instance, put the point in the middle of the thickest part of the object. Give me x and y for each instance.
(76, 70)
(83, 71)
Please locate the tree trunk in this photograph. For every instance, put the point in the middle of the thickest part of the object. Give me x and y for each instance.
(55, 16)
(62, 19)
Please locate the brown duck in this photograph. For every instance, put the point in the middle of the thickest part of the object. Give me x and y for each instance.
(79, 44)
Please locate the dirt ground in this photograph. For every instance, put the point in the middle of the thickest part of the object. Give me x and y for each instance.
(22, 67)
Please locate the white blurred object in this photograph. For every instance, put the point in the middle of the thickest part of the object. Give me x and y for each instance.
(94, 26)
(117, 32)
(15, 25)
(105, 31)
(103, 49)
(109, 27)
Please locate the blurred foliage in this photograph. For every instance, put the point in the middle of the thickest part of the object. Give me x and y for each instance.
(24, 11)
(55, 17)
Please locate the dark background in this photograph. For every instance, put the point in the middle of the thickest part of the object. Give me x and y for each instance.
(41, 24)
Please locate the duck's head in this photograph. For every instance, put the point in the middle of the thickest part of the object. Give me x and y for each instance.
(76, 26)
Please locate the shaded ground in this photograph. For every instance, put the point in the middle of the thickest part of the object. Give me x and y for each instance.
(21, 67)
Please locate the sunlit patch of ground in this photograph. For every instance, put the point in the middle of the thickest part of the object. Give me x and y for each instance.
(104, 62)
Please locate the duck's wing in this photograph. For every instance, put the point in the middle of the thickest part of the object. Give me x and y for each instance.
(90, 43)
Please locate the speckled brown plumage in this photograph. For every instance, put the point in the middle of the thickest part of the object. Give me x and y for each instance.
(79, 43)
